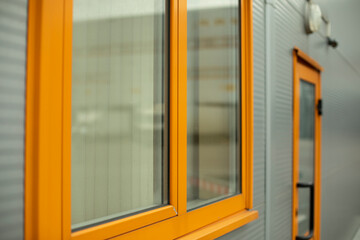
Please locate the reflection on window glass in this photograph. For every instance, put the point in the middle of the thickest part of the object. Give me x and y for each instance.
(118, 113)
(306, 153)
(213, 101)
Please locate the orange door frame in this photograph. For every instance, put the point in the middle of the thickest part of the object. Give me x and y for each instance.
(307, 69)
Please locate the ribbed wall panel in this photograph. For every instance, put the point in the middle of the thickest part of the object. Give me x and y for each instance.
(299, 4)
(256, 229)
(340, 125)
(13, 24)
(288, 32)
(340, 128)
(340, 205)
(252, 231)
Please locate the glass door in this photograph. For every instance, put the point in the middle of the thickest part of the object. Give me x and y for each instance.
(306, 160)
(305, 185)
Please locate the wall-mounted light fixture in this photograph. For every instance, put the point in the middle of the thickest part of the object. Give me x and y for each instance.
(313, 18)
(332, 42)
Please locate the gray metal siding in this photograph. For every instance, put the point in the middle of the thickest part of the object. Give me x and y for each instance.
(340, 207)
(252, 231)
(340, 193)
(288, 32)
(256, 229)
(13, 32)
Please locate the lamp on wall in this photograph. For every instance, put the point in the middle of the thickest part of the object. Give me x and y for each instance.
(313, 17)
(332, 42)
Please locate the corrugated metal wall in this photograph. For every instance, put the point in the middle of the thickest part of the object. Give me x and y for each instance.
(340, 213)
(256, 229)
(288, 32)
(13, 26)
(340, 205)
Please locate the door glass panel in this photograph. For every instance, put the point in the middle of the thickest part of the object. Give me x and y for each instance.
(213, 95)
(119, 116)
(306, 153)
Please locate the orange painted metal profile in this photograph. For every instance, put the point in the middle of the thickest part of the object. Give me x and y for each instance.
(48, 137)
(43, 125)
(221, 227)
(309, 70)
(66, 121)
(247, 105)
(181, 35)
(301, 55)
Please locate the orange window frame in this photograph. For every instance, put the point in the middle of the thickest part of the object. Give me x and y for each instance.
(309, 70)
(48, 137)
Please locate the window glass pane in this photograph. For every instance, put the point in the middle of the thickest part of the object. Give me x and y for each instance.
(119, 116)
(306, 153)
(213, 101)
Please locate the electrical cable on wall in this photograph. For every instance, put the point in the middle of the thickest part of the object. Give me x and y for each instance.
(313, 19)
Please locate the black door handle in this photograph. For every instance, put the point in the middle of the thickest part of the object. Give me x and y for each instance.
(311, 187)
